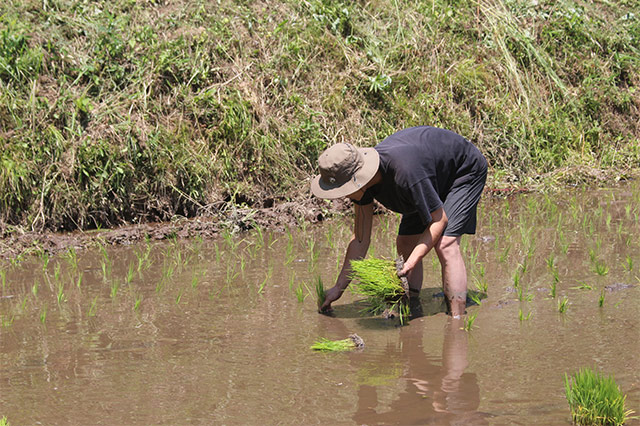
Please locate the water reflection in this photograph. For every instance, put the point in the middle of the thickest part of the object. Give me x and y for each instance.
(432, 394)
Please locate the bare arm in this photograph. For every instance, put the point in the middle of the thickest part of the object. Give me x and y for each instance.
(356, 249)
(427, 240)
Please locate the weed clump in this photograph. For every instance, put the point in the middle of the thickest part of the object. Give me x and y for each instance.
(325, 345)
(378, 281)
(594, 399)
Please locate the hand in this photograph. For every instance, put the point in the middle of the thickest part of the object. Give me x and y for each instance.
(406, 269)
(331, 296)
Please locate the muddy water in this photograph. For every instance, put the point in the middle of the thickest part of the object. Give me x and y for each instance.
(218, 331)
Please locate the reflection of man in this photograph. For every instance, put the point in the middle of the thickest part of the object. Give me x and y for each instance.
(432, 176)
(433, 394)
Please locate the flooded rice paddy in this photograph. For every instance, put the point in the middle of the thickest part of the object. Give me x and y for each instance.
(218, 331)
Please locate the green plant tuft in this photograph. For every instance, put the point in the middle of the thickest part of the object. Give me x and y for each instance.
(320, 293)
(378, 281)
(325, 345)
(594, 399)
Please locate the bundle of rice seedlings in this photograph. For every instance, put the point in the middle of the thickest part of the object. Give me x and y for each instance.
(594, 399)
(378, 281)
(325, 345)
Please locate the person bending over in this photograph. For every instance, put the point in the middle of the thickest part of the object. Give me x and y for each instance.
(433, 177)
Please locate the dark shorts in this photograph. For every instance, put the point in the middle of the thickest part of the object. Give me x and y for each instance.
(460, 206)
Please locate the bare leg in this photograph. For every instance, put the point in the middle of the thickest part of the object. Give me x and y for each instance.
(454, 274)
(406, 244)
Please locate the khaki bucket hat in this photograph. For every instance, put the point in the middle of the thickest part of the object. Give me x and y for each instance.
(344, 169)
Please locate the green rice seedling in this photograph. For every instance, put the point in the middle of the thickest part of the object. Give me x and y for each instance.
(607, 221)
(313, 255)
(106, 270)
(522, 316)
(329, 237)
(259, 238)
(435, 263)
(595, 399)
(378, 281)
(481, 285)
(217, 250)
(115, 286)
(45, 261)
(628, 264)
(137, 302)
(562, 304)
(601, 298)
(601, 268)
(325, 345)
(551, 262)
(320, 293)
(582, 286)
(4, 421)
(7, 321)
(300, 294)
(79, 280)
(553, 288)
(56, 272)
(592, 256)
(93, 307)
(264, 282)
(72, 258)
(469, 322)
(130, 272)
(43, 314)
(598, 242)
(3, 278)
(504, 254)
(195, 279)
(292, 280)
(475, 297)
(179, 296)
(60, 295)
(34, 288)
(289, 254)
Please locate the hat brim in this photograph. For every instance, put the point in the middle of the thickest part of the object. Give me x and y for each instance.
(322, 189)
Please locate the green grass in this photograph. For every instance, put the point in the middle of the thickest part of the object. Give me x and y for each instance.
(4, 421)
(595, 399)
(118, 111)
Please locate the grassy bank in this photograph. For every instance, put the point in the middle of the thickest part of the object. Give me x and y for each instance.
(142, 110)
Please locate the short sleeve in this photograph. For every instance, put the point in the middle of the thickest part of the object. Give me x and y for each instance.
(426, 200)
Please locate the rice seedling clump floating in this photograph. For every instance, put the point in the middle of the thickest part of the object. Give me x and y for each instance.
(325, 345)
(595, 399)
(378, 281)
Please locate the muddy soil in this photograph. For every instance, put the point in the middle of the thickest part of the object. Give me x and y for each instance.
(232, 219)
(18, 241)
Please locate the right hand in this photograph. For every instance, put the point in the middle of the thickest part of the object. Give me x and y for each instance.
(331, 296)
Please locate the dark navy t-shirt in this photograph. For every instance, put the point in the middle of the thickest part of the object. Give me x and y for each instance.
(419, 166)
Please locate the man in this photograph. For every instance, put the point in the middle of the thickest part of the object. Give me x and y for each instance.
(432, 176)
